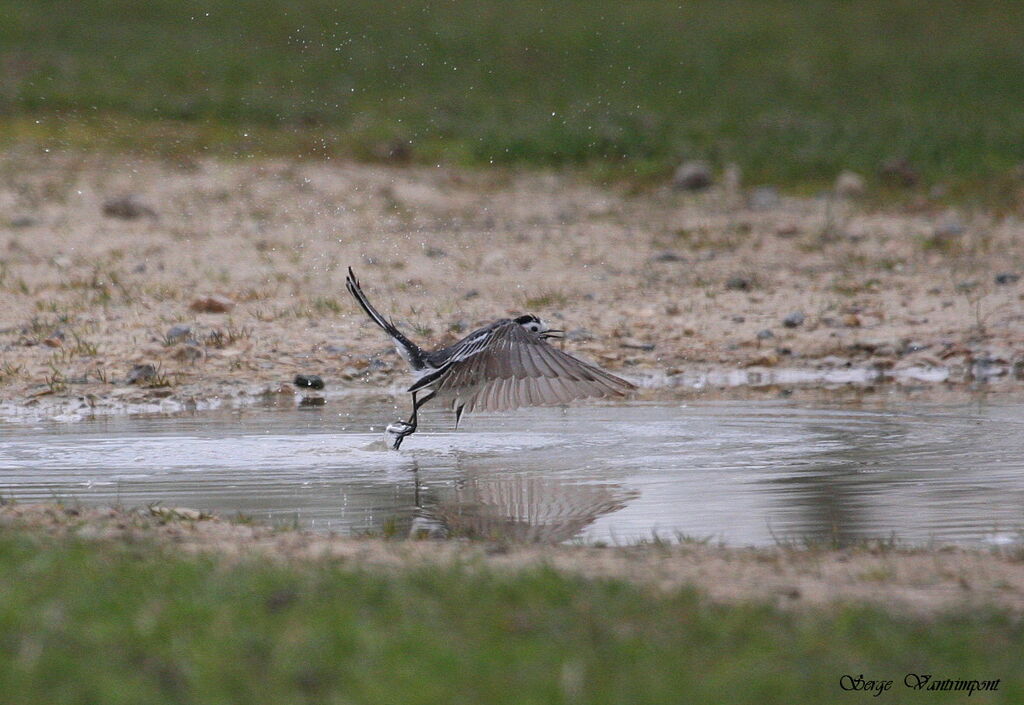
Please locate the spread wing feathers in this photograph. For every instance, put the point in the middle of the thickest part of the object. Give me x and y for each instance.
(512, 367)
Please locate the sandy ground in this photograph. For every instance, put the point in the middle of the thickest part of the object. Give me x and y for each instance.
(669, 289)
(913, 581)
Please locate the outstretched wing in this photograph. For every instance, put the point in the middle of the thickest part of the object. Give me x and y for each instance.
(512, 367)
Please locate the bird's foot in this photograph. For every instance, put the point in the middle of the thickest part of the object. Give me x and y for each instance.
(396, 432)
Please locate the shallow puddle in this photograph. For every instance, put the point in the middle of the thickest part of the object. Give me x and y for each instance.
(744, 473)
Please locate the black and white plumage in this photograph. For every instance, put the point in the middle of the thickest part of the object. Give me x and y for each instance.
(502, 366)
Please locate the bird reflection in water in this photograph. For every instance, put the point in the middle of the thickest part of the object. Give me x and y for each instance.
(515, 508)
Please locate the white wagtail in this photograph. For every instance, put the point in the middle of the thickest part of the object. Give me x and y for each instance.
(499, 367)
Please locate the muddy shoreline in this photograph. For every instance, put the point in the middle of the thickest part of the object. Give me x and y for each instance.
(134, 284)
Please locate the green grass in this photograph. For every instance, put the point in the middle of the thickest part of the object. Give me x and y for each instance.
(135, 624)
(792, 90)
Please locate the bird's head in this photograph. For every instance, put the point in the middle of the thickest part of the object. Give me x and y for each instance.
(535, 325)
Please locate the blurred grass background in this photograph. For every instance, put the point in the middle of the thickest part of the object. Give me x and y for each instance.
(791, 90)
(97, 622)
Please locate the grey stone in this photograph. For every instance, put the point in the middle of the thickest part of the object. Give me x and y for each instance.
(309, 381)
(693, 176)
(178, 332)
(23, 221)
(579, 334)
(949, 227)
(1007, 278)
(764, 198)
(738, 283)
(850, 184)
(794, 320)
(909, 347)
(899, 172)
(127, 207)
(637, 345)
(765, 334)
(141, 373)
(189, 353)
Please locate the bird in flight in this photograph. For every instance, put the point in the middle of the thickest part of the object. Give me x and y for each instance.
(502, 366)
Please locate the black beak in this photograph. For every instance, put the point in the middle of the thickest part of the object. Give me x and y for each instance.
(552, 333)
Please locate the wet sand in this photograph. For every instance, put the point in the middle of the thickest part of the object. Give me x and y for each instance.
(248, 258)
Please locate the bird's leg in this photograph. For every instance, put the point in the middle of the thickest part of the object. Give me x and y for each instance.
(409, 427)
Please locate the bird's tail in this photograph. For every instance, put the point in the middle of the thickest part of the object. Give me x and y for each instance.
(352, 284)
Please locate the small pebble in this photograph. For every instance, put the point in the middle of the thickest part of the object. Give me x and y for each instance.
(188, 353)
(738, 283)
(764, 198)
(899, 172)
(175, 333)
(579, 334)
(767, 359)
(312, 401)
(1007, 278)
(668, 256)
(141, 373)
(908, 347)
(850, 184)
(212, 304)
(309, 381)
(693, 176)
(127, 208)
(631, 344)
(951, 227)
(794, 320)
(23, 221)
(765, 334)
(1018, 369)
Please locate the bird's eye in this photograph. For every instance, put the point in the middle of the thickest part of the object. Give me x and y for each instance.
(534, 328)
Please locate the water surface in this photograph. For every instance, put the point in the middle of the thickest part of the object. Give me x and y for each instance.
(744, 473)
